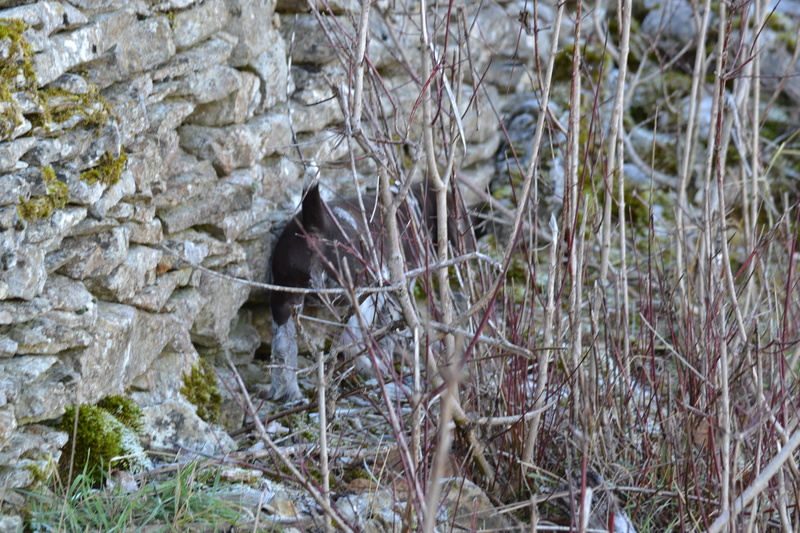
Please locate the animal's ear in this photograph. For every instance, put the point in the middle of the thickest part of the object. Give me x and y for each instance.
(314, 210)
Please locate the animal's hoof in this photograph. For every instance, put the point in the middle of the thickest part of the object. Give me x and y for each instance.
(285, 394)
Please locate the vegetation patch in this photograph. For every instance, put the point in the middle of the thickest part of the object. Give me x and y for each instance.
(100, 439)
(200, 388)
(41, 207)
(108, 170)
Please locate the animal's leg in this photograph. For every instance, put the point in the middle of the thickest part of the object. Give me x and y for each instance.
(284, 357)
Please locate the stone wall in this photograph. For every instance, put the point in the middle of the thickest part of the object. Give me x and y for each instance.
(131, 128)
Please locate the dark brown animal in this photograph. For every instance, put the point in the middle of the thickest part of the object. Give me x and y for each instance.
(325, 241)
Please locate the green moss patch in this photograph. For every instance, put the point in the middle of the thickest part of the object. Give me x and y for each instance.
(41, 207)
(101, 439)
(200, 388)
(107, 171)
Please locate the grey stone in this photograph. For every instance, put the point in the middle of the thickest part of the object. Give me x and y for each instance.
(209, 208)
(164, 378)
(10, 524)
(27, 276)
(168, 114)
(12, 151)
(71, 83)
(49, 232)
(44, 336)
(41, 387)
(248, 22)
(337, 7)
(224, 298)
(193, 25)
(235, 108)
(35, 442)
(8, 423)
(150, 232)
(272, 68)
(145, 164)
(210, 84)
(185, 305)
(44, 18)
(129, 277)
(81, 192)
(314, 106)
(68, 145)
(12, 187)
(124, 188)
(153, 297)
(17, 311)
(214, 51)
(133, 48)
(8, 347)
(464, 503)
(240, 145)
(127, 342)
(69, 50)
(310, 45)
(188, 177)
(66, 294)
(673, 23)
(175, 423)
(93, 255)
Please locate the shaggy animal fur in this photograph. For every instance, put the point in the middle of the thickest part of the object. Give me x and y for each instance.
(319, 245)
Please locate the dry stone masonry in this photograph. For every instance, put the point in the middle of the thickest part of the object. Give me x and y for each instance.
(129, 129)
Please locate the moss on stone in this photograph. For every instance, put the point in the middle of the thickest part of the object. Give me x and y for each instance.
(16, 74)
(101, 439)
(107, 171)
(123, 409)
(41, 207)
(200, 388)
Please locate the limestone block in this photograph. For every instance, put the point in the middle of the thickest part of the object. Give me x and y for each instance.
(248, 22)
(125, 282)
(235, 108)
(25, 273)
(65, 51)
(39, 386)
(8, 423)
(271, 66)
(33, 441)
(49, 232)
(185, 304)
(338, 7)
(164, 378)
(145, 164)
(197, 23)
(168, 114)
(44, 18)
(146, 232)
(124, 188)
(8, 348)
(208, 208)
(187, 178)
(137, 47)
(189, 247)
(153, 297)
(81, 192)
(176, 423)
(12, 151)
(239, 145)
(67, 145)
(213, 51)
(12, 187)
(92, 255)
(310, 45)
(314, 106)
(46, 336)
(18, 311)
(210, 84)
(126, 343)
(224, 298)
